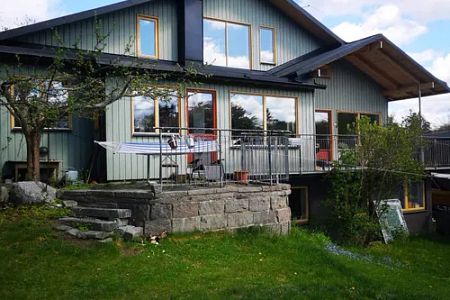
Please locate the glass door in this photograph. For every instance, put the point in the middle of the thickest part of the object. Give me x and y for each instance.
(324, 139)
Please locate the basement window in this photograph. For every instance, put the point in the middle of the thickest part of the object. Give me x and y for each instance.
(147, 36)
(412, 195)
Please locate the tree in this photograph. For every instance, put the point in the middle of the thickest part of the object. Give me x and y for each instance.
(79, 83)
(384, 159)
(241, 120)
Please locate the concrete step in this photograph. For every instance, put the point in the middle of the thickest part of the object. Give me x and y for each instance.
(90, 223)
(130, 233)
(104, 213)
(89, 235)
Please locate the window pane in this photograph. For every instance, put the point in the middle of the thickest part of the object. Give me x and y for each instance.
(144, 114)
(200, 111)
(280, 114)
(415, 195)
(238, 46)
(267, 51)
(214, 42)
(346, 130)
(246, 112)
(147, 30)
(322, 120)
(373, 118)
(168, 112)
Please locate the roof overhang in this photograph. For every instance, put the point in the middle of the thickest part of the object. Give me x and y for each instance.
(45, 55)
(400, 76)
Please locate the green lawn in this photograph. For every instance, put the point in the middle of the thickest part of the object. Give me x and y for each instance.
(38, 262)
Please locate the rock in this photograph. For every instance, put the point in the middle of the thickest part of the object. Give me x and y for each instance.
(155, 227)
(185, 209)
(93, 224)
(30, 192)
(240, 219)
(283, 215)
(186, 224)
(236, 205)
(63, 228)
(132, 233)
(96, 235)
(70, 203)
(214, 207)
(161, 211)
(108, 240)
(213, 222)
(277, 202)
(259, 204)
(105, 213)
(74, 232)
(4, 195)
(264, 217)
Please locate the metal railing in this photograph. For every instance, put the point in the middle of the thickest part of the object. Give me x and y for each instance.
(205, 156)
(437, 152)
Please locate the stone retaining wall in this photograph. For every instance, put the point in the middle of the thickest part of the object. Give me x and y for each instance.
(208, 209)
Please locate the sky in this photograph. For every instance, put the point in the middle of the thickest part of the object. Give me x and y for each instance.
(421, 28)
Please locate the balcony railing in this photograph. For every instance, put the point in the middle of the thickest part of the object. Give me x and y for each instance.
(204, 156)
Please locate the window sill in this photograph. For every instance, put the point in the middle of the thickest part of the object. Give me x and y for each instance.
(414, 210)
(268, 63)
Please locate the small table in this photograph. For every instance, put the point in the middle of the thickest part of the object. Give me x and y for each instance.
(49, 165)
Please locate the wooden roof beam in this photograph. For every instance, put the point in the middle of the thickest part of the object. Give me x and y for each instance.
(392, 61)
(383, 78)
(411, 89)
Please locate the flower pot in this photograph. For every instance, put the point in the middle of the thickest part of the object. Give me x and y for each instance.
(241, 176)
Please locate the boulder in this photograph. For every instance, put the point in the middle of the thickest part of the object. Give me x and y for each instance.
(30, 192)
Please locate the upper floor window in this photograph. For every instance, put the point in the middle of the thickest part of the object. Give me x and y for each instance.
(149, 113)
(267, 45)
(263, 112)
(147, 36)
(226, 44)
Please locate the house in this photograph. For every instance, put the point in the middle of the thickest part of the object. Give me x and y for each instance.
(270, 58)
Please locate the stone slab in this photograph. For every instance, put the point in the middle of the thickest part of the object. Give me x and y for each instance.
(241, 219)
(186, 224)
(236, 205)
(215, 207)
(156, 227)
(264, 217)
(161, 211)
(283, 215)
(186, 209)
(213, 222)
(277, 202)
(105, 213)
(257, 204)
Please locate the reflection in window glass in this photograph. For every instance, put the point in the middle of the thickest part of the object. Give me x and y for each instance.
(214, 42)
(144, 114)
(238, 46)
(168, 112)
(415, 196)
(200, 111)
(147, 36)
(226, 44)
(347, 123)
(373, 118)
(280, 114)
(246, 111)
(267, 51)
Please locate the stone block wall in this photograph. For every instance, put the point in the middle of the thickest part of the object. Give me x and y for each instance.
(205, 209)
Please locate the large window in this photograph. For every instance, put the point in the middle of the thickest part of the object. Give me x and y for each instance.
(226, 44)
(201, 111)
(267, 45)
(149, 113)
(57, 96)
(147, 36)
(412, 196)
(263, 112)
(347, 127)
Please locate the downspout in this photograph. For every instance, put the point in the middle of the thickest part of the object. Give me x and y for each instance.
(422, 153)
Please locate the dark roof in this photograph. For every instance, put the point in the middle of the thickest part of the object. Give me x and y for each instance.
(216, 73)
(8, 34)
(439, 134)
(380, 59)
(312, 61)
(289, 7)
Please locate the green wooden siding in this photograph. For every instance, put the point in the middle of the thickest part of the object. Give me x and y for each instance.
(291, 40)
(350, 90)
(120, 27)
(118, 126)
(72, 148)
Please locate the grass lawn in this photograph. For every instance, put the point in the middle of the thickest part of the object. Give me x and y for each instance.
(36, 262)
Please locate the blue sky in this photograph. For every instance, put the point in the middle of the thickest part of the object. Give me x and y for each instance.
(421, 28)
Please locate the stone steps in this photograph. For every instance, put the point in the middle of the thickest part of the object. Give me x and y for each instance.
(99, 223)
(104, 213)
(91, 223)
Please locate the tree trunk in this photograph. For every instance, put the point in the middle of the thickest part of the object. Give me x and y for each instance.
(33, 140)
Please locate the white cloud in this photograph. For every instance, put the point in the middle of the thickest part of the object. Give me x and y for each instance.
(387, 19)
(20, 12)
(419, 10)
(436, 109)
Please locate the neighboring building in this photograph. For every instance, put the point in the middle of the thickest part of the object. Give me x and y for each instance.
(266, 55)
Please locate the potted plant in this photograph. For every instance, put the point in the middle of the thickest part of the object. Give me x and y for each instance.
(241, 176)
